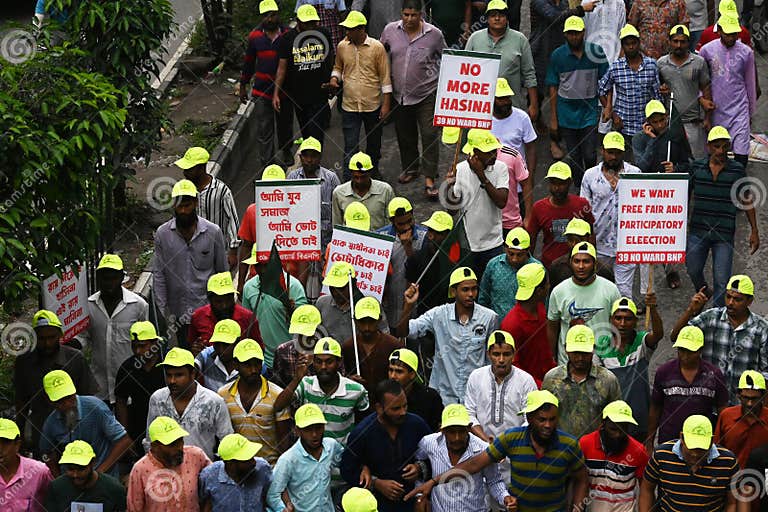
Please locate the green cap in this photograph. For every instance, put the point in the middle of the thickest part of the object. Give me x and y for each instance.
(697, 432)
(310, 143)
(619, 411)
(751, 379)
(78, 453)
(357, 499)
(455, 415)
(584, 248)
(165, 430)
(354, 19)
(273, 172)
(226, 331)
(579, 338)
(680, 30)
(9, 429)
(58, 384)
(254, 259)
(327, 346)
(143, 331)
(690, 338)
(628, 31)
(221, 284)
(338, 274)
(518, 238)
(578, 227)
(529, 276)
(111, 261)
(654, 107)
(399, 206)
(45, 318)
(439, 221)
(536, 399)
(482, 140)
(742, 284)
(459, 275)
(624, 303)
(309, 414)
(406, 356)
(560, 171)
(305, 320)
(501, 337)
(178, 357)
(193, 156)
(360, 161)
(184, 188)
(728, 8)
(614, 140)
(238, 447)
(367, 307)
(248, 349)
(266, 6)
(496, 5)
(729, 24)
(356, 215)
(717, 133)
(574, 24)
(450, 135)
(503, 89)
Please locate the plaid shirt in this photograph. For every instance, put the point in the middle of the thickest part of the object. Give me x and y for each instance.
(734, 350)
(633, 90)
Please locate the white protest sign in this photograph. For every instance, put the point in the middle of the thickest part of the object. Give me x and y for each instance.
(67, 296)
(653, 218)
(367, 252)
(288, 212)
(466, 89)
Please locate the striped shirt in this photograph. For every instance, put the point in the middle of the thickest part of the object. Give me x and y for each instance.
(339, 407)
(260, 62)
(216, 204)
(714, 212)
(259, 423)
(681, 489)
(460, 495)
(633, 90)
(538, 482)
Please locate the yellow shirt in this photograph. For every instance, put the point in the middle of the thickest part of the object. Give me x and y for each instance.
(364, 69)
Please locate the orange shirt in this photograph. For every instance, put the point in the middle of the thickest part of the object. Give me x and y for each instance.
(741, 434)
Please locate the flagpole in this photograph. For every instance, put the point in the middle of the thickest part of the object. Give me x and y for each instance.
(352, 316)
(437, 252)
(669, 128)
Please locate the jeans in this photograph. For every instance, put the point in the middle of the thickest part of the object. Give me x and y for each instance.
(269, 122)
(410, 121)
(351, 122)
(722, 261)
(312, 118)
(581, 144)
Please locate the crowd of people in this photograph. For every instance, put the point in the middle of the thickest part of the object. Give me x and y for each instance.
(491, 375)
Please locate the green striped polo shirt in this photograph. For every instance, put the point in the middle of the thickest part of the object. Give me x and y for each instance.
(679, 489)
(714, 208)
(339, 407)
(538, 482)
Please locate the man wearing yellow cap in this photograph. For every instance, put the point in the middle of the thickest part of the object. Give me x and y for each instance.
(23, 481)
(743, 428)
(188, 250)
(653, 22)
(306, 330)
(82, 485)
(166, 478)
(423, 401)
(216, 363)
(373, 193)
(729, 9)
(454, 443)
(576, 231)
(239, 477)
(358, 499)
(662, 145)
(692, 461)
(615, 460)
(113, 309)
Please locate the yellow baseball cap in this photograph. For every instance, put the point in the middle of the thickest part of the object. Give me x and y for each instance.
(751, 379)
(574, 24)
(45, 318)
(628, 31)
(728, 8)
(273, 172)
(58, 384)
(654, 107)
(354, 19)
(184, 188)
(367, 307)
(143, 331)
(697, 432)
(360, 161)
(193, 156)
(691, 338)
(619, 411)
(518, 238)
(450, 135)
(9, 429)
(729, 24)
(78, 453)
(496, 5)
(111, 261)
(529, 276)
(439, 221)
(584, 248)
(310, 143)
(578, 227)
(560, 171)
(165, 430)
(399, 203)
(680, 30)
(500, 337)
(266, 6)
(579, 338)
(356, 215)
(305, 320)
(254, 259)
(309, 414)
(178, 357)
(238, 447)
(503, 88)
(338, 274)
(742, 284)
(624, 303)
(357, 499)
(459, 275)
(248, 349)
(614, 140)
(226, 331)
(327, 346)
(455, 415)
(221, 284)
(482, 140)
(538, 398)
(717, 133)
(407, 356)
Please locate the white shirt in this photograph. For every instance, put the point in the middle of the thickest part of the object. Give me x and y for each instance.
(483, 218)
(603, 25)
(515, 130)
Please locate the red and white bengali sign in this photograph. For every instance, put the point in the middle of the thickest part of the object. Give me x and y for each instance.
(67, 296)
(288, 212)
(653, 218)
(466, 89)
(367, 252)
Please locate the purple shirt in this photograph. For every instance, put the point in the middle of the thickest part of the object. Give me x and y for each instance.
(26, 490)
(679, 399)
(415, 62)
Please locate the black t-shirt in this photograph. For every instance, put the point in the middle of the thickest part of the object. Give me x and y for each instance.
(135, 383)
(108, 491)
(426, 403)
(310, 56)
(758, 463)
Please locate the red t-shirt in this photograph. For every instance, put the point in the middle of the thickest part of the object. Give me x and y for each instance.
(552, 221)
(532, 350)
(710, 35)
(202, 324)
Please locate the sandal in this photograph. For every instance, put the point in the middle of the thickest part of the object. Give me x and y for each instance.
(431, 192)
(407, 177)
(673, 279)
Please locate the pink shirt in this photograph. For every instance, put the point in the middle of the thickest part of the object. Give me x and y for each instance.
(518, 171)
(27, 488)
(154, 488)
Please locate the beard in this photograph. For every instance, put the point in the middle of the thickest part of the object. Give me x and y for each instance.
(502, 112)
(269, 25)
(614, 165)
(185, 220)
(611, 445)
(223, 314)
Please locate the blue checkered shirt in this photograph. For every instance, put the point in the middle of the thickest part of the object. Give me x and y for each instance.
(633, 90)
